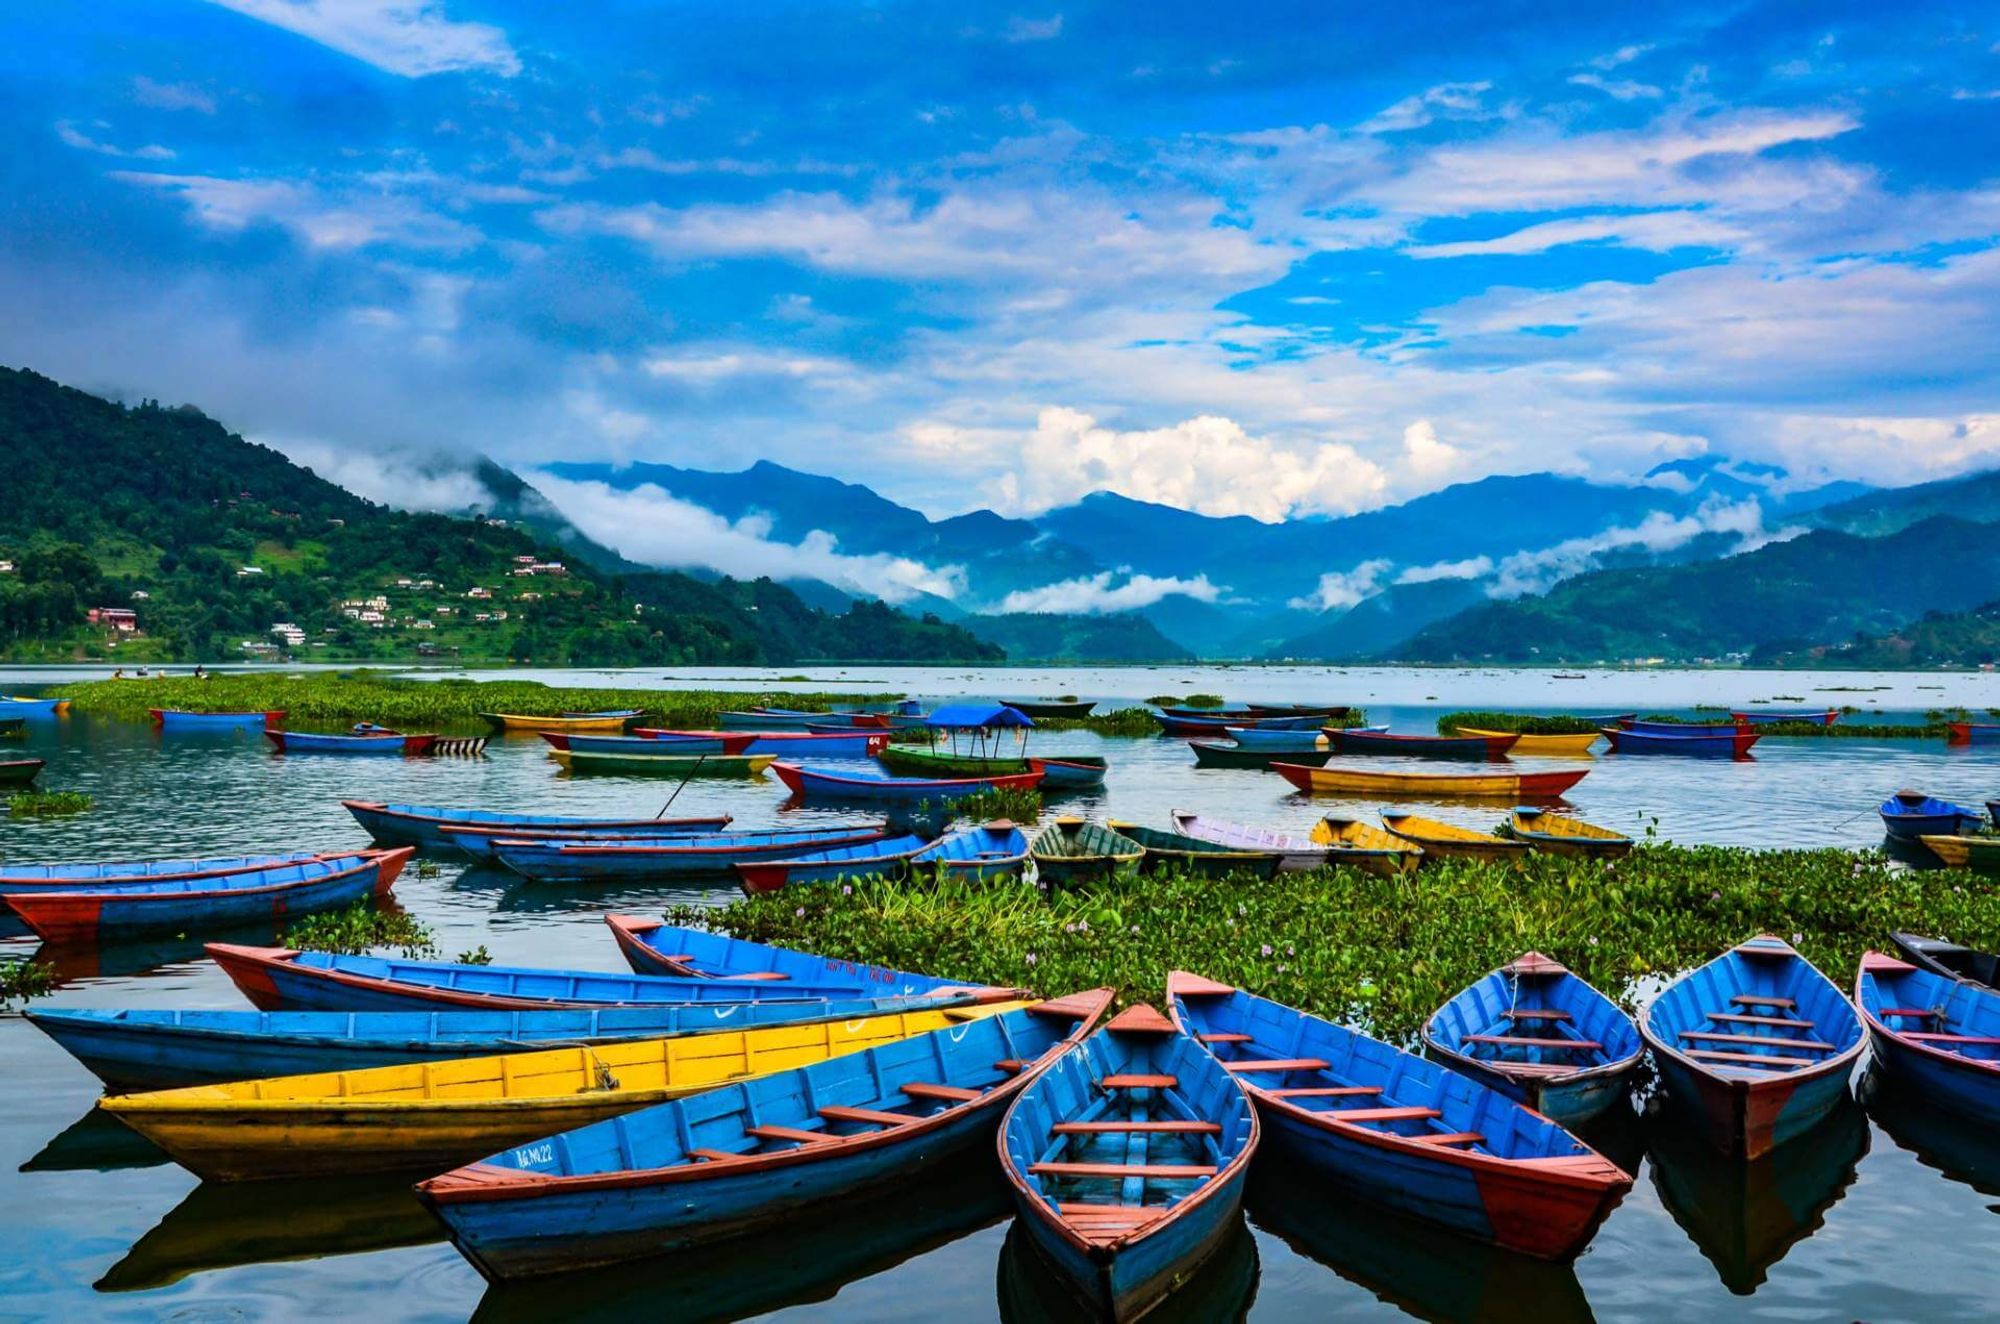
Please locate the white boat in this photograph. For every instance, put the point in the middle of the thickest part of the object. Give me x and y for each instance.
(1297, 851)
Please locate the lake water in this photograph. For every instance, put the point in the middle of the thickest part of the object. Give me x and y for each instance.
(1888, 1215)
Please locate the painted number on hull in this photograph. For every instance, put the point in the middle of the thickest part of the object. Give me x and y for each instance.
(534, 1154)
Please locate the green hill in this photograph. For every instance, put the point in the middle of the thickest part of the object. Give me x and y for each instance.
(212, 541)
(1959, 639)
(1118, 637)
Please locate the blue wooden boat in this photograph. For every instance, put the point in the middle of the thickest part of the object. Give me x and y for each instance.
(428, 825)
(1940, 1037)
(1073, 774)
(770, 719)
(1537, 1033)
(1397, 1130)
(637, 746)
(1277, 742)
(364, 739)
(172, 719)
(1912, 814)
(1678, 728)
(193, 905)
(1358, 741)
(278, 979)
(873, 784)
(1726, 743)
(850, 744)
(1755, 1047)
(1949, 959)
(555, 859)
(157, 1050)
(746, 1157)
(1972, 733)
(1216, 726)
(1773, 716)
(654, 947)
(983, 854)
(21, 705)
(888, 857)
(1128, 1158)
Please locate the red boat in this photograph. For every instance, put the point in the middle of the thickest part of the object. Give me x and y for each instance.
(1427, 747)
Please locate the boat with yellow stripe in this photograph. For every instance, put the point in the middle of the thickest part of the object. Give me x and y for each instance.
(616, 719)
(1498, 784)
(1366, 847)
(1441, 839)
(1570, 745)
(1977, 853)
(439, 1114)
(1561, 834)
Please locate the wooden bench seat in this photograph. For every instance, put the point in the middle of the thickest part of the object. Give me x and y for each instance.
(1140, 1082)
(1278, 1064)
(1763, 1041)
(1224, 1037)
(791, 1133)
(1384, 1114)
(1325, 1092)
(1121, 1171)
(1758, 1000)
(1449, 1138)
(1925, 1012)
(1774, 1022)
(1011, 1065)
(1525, 1041)
(841, 1113)
(1136, 1128)
(714, 1155)
(1524, 1014)
(1750, 1059)
(952, 1093)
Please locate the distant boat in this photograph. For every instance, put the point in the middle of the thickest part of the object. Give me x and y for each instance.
(1568, 746)
(20, 772)
(1912, 814)
(1176, 852)
(1972, 733)
(868, 784)
(425, 825)
(612, 719)
(1755, 1047)
(1069, 850)
(1215, 754)
(1281, 742)
(95, 876)
(1215, 726)
(1441, 840)
(1507, 785)
(1428, 747)
(21, 705)
(1069, 710)
(1729, 728)
(1949, 959)
(1537, 1033)
(1563, 834)
(1939, 1036)
(647, 764)
(618, 859)
(1367, 847)
(173, 719)
(851, 744)
(887, 858)
(364, 739)
(654, 947)
(1771, 716)
(1730, 743)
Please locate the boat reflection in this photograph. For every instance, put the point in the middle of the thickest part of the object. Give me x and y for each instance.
(222, 1225)
(807, 1260)
(96, 1142)
(1962, 1150)
(1419, 1269)
(1745, 1217)
(1223, 1289)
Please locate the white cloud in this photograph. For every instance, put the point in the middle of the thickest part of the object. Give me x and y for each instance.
(407, 37)
(1472, 567)
(1209, 464)
(1537, 571)
(390, 478)
(654, 528)
(1096, 595)
(74, 137)
(1426, 457)
(171, 96)
(1444, 101)
(323, 222)
(1655, 232)
(1623, 55)
(1034, 29)
(1618, 89)
(1342, 589)
(705, 368)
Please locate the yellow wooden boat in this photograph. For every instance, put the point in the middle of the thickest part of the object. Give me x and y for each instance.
(435, 1115)
(1956, 852)
(1501, 783)
(1574, 746)
(1560, 834)
(1365, 846)
(1448, 839)
(615, 721)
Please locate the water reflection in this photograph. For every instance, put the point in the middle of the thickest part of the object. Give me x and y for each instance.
(1962, 1150)
(806, 1260)
(1423, 1271)
(96, 1142)
(222, 1225)
(1031, 1292)
(1745, 1217)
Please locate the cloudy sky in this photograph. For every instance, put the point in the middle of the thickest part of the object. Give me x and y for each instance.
(1250, 258)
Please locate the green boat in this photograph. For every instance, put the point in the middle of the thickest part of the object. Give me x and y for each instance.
(1171, 852)
(1215, 754)
(677, 766)
(19, 772)
(1058, 772)
(1070, 850)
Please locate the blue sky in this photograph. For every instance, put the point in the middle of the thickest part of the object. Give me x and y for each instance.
(1257, 258)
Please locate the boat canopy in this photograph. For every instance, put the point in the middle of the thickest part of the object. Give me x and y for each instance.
(976, 716)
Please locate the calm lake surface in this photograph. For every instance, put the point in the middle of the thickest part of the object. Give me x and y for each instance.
(1889, 1215)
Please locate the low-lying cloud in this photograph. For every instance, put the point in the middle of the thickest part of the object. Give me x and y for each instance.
(1097, 595)
(1526, 573)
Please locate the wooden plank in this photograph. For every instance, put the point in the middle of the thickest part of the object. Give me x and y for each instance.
(1224, 1037)
(1912, 1011)
(924, 1090)
(1524, 1041)
(1775, 1022)
(1326, 1092)
(1754, 1000)
(714, 1155)
(1752, 1059)
(1147, 1128)
(1011, 1065)
(1450, 1138)
(1519, 1014)
(1279, 1064)
(1976, 1039)
(1121, 1171)
(1137, 1082)
(1383, 1114)
(755, 976)
(792, 1133)
(841, 1113)
(1717, 1037)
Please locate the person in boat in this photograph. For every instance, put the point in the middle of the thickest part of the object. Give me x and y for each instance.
(199, 673)
(119, 674)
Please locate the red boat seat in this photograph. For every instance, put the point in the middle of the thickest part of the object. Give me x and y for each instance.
(714, 1155)
(839, 1113)
(1147, 1128)
(952, 1093)
(1754, 1000)
(1121, 1170)
(1521, 1015)
(791, 1133)
(1131, 1082)
(1911, 1011)
(1450, 1138)
(1279, 1064)
(1750, 1059)
(1987, 1039)
(1326, 1092)
(1775, 1022)
(1523, 1041)
(1224, 1037)
(1385, 1114)
(1716, 1037)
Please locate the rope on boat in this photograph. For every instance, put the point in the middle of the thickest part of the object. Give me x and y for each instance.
(459, 747)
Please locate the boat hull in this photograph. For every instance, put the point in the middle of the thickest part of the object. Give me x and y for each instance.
(1423, 747)
(1747, 1119)
(1569, 746)
(1732, 745)
(811, 783)
(588, 722)
(168, 719)
(662, 765)
(558, 860)
(425, 825)
(781, 744)
(1425, 785)
(306, 742)
(20, 772)
(113, 914)
(1214, 754)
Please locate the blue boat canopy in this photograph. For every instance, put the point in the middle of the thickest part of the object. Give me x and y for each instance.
(982, 716)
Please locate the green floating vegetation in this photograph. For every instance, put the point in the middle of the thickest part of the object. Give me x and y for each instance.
(1204, 701)
(1384, 953)
(47, 804)
(1165, 701)
(1121, 722)
(1021, 805)
(1522, 723)
(22, 979)
(361, 929)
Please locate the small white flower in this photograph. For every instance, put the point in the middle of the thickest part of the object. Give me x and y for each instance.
(1266, 950)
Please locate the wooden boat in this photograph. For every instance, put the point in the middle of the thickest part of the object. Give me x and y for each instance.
(1948, 959)
(747, 1156)
(640, 746)
(1442, 840)
(1730, 744)
(654, 947)
(654, 765)
(1940, 1036)
(1295, 853)
(1072, 772)
(1128, 1159)
(1069, 850)
(1645, 727)
(1176, 852)
(173, 719)
(12, 726)
(982, 854)
(154, 1050)
(1356, 741)
(94, 877)
(1397, 1130)
(1366, 847)
(1279, 742)
(20, 772)
(373, 740)
(1980, 854)
(1912, 814)
(886, 858)
(1971, 733)
(431, 1115)
(1215, 754)
(613, 719)
(426, 825)
(1241, 711)
(1537, 1033)
(868, 784)
(192, 905)
(772, 719)
(784, 744)
(1563, 834)
(1216, 726)
(1756, 1046)
(1773, 716)
(556, 859)
(1067, 710)
(23, 705)
(1567, 746)
(278, 979)
(917, 761)
(481, 841)
(1508, 785)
